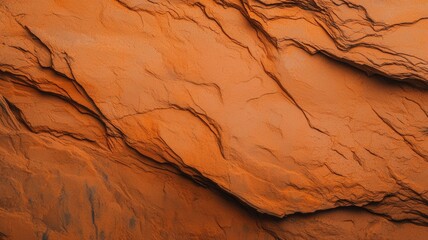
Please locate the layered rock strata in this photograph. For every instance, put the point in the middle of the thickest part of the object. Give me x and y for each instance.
(251, 119)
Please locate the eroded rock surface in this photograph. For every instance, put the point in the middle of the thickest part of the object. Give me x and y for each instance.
(270, 119)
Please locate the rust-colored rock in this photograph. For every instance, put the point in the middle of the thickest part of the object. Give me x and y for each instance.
(224, 119)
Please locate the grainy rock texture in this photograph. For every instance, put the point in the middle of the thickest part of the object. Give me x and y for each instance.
(214, 119)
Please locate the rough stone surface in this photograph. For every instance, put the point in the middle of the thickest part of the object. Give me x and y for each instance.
(213, 119)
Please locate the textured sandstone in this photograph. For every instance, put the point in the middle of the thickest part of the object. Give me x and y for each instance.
(111, 111)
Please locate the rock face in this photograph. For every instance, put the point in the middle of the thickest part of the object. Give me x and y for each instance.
(214, 119)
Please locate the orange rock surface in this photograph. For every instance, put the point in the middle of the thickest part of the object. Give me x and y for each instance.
(214, 119)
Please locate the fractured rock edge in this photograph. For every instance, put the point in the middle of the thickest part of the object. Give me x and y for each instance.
(81, 198)
(110, 129)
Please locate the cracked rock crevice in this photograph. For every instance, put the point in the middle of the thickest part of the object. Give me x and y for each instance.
(294, 119)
